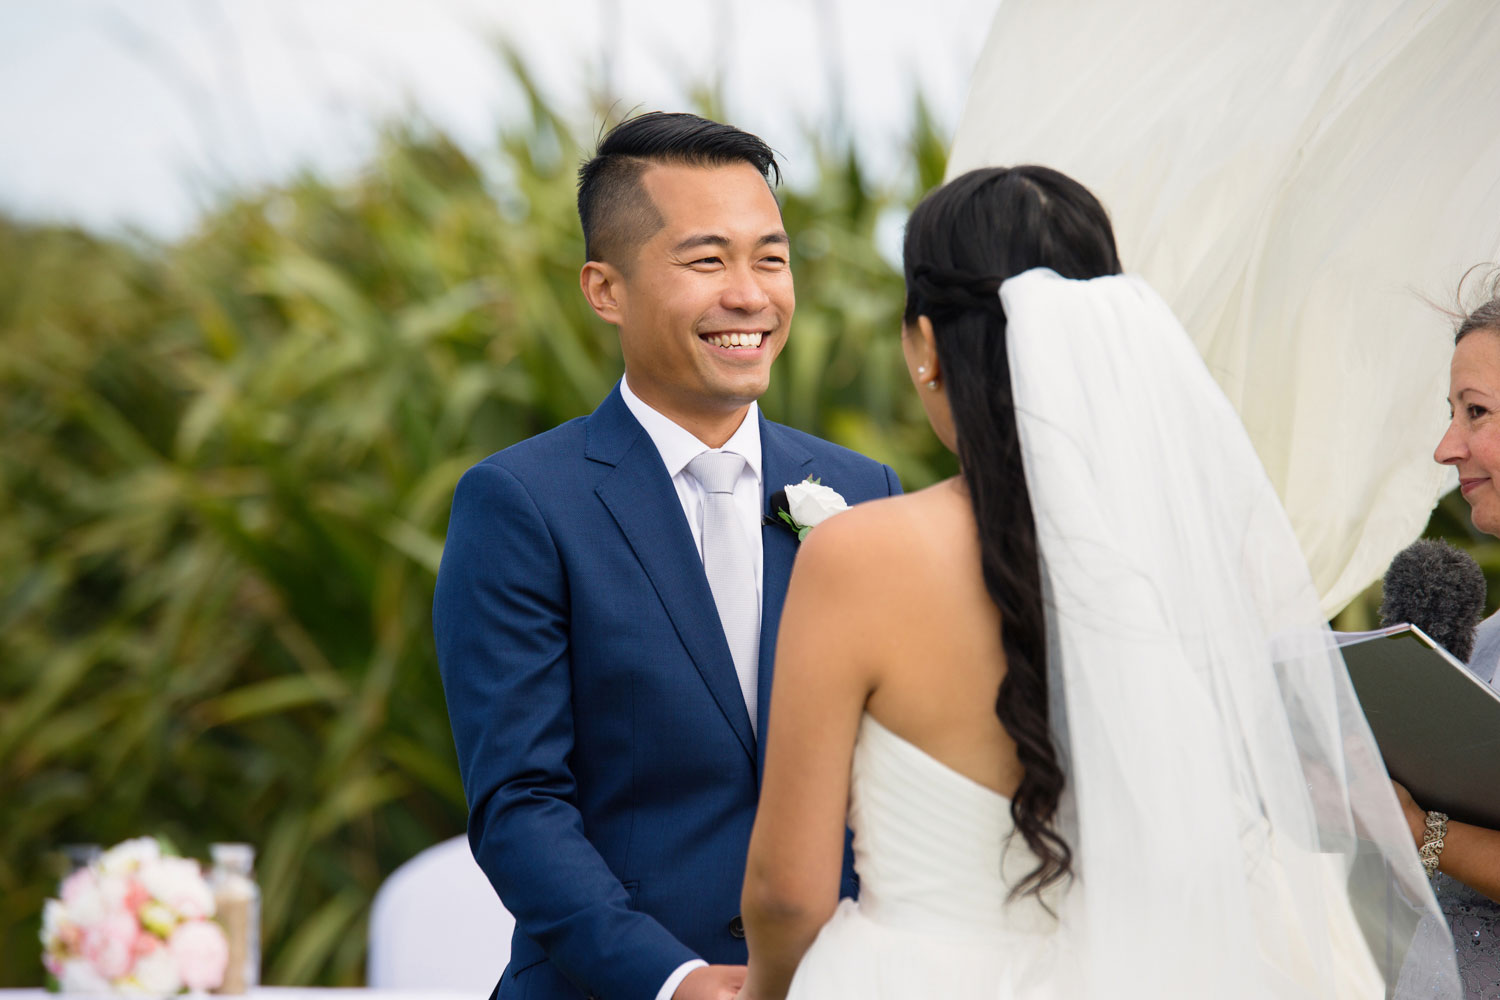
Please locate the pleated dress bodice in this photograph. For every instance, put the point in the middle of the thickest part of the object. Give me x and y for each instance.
(932, 847)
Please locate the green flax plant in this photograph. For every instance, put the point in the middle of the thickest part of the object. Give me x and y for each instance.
(225, 482)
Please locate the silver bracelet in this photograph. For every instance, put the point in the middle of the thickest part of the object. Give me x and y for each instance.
(1433, 831)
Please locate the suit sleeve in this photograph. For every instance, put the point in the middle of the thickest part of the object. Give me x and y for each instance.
(892, 483)
(500, 618)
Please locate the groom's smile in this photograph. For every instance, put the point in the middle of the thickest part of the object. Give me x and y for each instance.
(734, 340)
(705, 303)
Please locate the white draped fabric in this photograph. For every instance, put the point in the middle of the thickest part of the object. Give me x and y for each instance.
(1234, 832)
(1293, 178)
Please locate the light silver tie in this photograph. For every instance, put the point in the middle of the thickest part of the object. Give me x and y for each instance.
(728, 561)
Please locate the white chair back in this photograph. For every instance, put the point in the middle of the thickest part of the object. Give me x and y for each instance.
(437, 924)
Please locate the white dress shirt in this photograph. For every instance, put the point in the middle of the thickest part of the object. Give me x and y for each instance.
(677, 447)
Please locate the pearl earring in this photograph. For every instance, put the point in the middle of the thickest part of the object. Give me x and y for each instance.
(932, 385)
(921, 370)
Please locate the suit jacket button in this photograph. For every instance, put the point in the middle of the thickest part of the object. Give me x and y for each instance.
(737, 927)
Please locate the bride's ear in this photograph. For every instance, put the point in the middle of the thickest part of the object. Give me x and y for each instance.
(920, 348)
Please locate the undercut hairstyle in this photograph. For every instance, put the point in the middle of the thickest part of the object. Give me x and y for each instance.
(962, 242)
(617, 213)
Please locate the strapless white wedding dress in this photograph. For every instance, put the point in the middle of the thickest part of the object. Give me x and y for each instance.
(936, 863)
(1234, 833)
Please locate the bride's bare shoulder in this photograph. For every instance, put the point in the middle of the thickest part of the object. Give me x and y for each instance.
(892, 535)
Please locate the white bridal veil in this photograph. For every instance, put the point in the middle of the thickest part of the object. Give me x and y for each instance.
(1293, 178)
(1234, 832)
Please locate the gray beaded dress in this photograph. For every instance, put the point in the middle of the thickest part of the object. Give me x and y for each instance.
(1474, 917)
(1475, 921)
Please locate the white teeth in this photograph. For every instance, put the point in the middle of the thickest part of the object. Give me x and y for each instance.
(733, 340)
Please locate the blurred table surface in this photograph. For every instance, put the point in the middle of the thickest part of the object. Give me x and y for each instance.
(288, 993)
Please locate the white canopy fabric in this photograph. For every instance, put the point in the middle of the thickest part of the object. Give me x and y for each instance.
(1301, 182)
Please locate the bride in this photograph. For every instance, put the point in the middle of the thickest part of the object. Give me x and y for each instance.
(1077, 704)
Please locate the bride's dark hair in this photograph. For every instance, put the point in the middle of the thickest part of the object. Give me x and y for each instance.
(962, 241)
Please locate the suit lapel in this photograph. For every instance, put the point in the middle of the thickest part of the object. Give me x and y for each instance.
(782, 463)
(641, 498)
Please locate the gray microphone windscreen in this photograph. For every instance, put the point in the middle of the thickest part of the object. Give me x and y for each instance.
(1438, 588)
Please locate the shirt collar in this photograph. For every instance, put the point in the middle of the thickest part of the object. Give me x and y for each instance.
(678, 446)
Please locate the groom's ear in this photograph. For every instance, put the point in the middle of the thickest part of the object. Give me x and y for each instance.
(604, 287)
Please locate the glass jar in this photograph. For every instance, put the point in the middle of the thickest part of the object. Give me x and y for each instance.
(237, 899)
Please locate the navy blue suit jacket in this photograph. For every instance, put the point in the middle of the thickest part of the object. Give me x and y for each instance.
(606, 751)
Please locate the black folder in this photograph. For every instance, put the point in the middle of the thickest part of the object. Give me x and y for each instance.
(1438, 726)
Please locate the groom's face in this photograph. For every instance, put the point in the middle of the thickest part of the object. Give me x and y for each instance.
(707, 300)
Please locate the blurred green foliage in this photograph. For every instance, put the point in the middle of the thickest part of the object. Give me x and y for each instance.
(225, 482)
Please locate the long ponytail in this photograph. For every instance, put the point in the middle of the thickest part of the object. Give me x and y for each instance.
(962, 242)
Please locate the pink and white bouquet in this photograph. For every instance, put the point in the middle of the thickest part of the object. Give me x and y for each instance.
(137, 920)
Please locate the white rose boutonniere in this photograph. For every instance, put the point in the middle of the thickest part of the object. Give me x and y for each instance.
(808, 504)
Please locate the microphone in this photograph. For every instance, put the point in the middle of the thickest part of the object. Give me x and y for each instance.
(1440, 590)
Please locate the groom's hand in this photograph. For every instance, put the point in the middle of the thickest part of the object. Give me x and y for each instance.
(711, 982)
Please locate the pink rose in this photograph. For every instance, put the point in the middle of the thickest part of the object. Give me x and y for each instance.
(201, 952)
(135, 895)
(109, 945)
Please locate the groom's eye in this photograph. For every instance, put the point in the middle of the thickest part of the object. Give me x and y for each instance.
(707, 262)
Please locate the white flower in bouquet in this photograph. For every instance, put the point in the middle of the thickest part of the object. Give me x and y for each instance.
(117, 892)
(178, 884)
(156, 973)
(82, 898)
(126, 857)
(54, 918)
(78, 976)
(137, 920)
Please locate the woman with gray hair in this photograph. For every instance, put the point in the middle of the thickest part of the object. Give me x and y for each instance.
(1464, 860)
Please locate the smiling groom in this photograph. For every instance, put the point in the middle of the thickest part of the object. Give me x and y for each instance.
(607, 604)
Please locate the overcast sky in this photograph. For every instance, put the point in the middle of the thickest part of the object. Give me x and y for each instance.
(135, 112)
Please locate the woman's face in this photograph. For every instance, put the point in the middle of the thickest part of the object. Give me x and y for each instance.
(1472, 443)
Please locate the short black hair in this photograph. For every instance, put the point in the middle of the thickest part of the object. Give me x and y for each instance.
(616, 212)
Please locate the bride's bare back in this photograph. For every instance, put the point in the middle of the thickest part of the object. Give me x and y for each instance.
(886, 613)
(935, 656)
